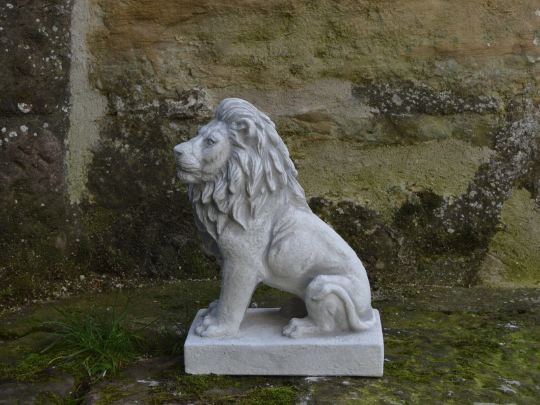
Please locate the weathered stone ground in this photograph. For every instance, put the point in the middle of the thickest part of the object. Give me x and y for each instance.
(442, 346)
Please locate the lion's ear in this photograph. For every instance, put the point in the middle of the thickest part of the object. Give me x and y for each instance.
(251, 133)
(246, 127)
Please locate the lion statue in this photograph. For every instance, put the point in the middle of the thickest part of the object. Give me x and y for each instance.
(253, 217)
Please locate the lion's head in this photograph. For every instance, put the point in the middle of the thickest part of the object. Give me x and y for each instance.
(234, 164)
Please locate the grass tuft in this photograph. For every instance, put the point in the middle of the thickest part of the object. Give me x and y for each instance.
(175, 334)
(100, 344)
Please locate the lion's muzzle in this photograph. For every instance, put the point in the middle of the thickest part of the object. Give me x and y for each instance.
(179, 150)
(184, 158)
(188, 166)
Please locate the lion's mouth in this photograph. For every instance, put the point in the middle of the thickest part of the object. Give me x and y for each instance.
(188, 173)
(187, 168)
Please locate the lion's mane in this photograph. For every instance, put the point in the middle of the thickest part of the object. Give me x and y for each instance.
(259, 167)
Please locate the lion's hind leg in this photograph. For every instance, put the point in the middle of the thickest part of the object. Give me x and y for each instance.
(330, 308)
(324, 315)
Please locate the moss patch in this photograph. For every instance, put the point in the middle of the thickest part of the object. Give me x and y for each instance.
(225, 390)
(448, 345)
(29, 369)
(512, 259)
(270, 396)
(199, 383)
(456, 358)
(48, 398)
(110, 394)
(379, 177)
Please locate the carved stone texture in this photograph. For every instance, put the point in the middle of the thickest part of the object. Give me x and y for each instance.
(253, 217)
(260, 349)
(30, 165)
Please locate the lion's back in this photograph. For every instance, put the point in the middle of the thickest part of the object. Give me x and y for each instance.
(301, 242)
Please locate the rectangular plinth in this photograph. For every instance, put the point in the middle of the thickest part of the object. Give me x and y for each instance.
(260, 349)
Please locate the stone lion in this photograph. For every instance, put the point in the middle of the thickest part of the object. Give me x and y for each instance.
(253, 217)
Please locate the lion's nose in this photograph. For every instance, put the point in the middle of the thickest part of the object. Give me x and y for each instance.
(178, 151)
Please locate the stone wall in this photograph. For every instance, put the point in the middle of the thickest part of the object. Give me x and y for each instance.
(35, 228)
(413, 126)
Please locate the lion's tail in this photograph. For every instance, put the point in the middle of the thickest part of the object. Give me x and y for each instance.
(354, 322)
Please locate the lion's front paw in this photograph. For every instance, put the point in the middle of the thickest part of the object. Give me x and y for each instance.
(216, 330)
(211, 327)
(206, 322)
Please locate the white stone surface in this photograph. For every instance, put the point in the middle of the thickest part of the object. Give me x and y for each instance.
(253, 217)
(261, 349)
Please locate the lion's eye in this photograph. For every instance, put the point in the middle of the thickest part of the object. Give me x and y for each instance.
(210, 142)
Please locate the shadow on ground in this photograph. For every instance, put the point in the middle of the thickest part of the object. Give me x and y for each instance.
(442, 346)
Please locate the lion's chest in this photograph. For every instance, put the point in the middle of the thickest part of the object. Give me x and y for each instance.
(246, 246)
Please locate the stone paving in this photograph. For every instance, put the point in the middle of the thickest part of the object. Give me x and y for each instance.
(442, 346)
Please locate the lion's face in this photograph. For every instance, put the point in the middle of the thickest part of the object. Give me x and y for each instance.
(204, 157)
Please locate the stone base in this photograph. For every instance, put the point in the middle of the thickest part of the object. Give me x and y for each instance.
(260, 349)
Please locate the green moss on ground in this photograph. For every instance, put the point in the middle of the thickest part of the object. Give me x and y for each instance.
(28, 369)
(200, 383)
(442, 345)
(48, 398)
(226, 390)
(110, 393)
(451, 357)
(270, 396)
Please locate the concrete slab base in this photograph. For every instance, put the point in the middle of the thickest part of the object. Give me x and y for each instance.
(260, 349)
